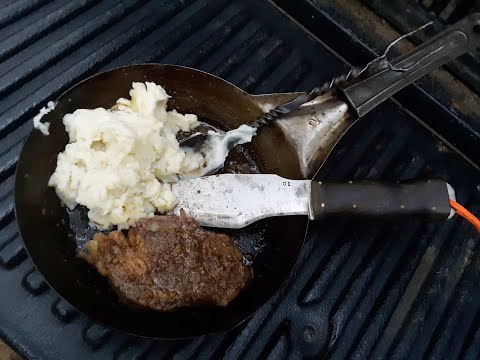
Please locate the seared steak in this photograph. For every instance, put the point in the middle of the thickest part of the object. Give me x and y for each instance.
(170, 262)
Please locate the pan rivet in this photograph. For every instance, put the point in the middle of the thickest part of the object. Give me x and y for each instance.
(320, 182)
(402, 206)
(354, 206)
(350, 182)
(434, 208)
(322, 204)
(309, 333)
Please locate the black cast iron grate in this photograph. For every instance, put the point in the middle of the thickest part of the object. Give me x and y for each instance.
(361, 290)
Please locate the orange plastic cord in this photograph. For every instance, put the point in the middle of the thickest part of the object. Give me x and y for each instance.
(467, 215)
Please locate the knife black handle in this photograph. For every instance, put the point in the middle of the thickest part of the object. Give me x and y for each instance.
(429, 198)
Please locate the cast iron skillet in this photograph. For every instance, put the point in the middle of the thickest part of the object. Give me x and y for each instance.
(52, 237)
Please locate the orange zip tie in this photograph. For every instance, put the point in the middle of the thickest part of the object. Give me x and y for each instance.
(467, 215)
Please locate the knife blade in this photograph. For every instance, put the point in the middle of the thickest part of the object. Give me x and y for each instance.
(237, 200)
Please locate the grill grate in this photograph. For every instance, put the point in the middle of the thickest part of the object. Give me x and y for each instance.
(405, 15)
(361, 290)
(450, 11)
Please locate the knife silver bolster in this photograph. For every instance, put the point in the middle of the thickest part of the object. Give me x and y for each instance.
(315, 205)
(311, 214)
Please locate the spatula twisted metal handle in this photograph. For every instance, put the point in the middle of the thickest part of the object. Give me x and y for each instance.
(197, 140)
(295, 104)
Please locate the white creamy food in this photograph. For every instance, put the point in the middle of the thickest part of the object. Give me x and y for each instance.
(115, 158)
(217, 147)
(37, 124)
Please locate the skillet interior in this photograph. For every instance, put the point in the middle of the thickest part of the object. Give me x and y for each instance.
(45, 228)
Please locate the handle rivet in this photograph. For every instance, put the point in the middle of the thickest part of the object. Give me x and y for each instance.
(322, 204)
(402, 206)
(350, 182)
(434, 208)
(320, 183)
(354, 206)
(309, 334)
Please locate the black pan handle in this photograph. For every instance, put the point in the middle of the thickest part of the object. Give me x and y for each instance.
(430, 199)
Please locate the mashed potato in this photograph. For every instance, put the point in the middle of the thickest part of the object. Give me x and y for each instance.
(37, 124)
(115, 158)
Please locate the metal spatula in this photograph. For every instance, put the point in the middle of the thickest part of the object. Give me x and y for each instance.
(237, 200)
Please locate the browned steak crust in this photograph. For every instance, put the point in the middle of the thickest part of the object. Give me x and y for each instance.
(170, 262)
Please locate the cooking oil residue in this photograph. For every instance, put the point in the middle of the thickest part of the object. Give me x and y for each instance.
(251, 240)
(79, 229)
(247, 259)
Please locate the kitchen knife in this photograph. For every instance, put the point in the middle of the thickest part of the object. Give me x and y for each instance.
(237, 200)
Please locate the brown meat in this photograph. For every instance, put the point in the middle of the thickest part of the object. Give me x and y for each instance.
(170, 262)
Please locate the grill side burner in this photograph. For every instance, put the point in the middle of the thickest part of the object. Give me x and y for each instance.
(361, 290)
